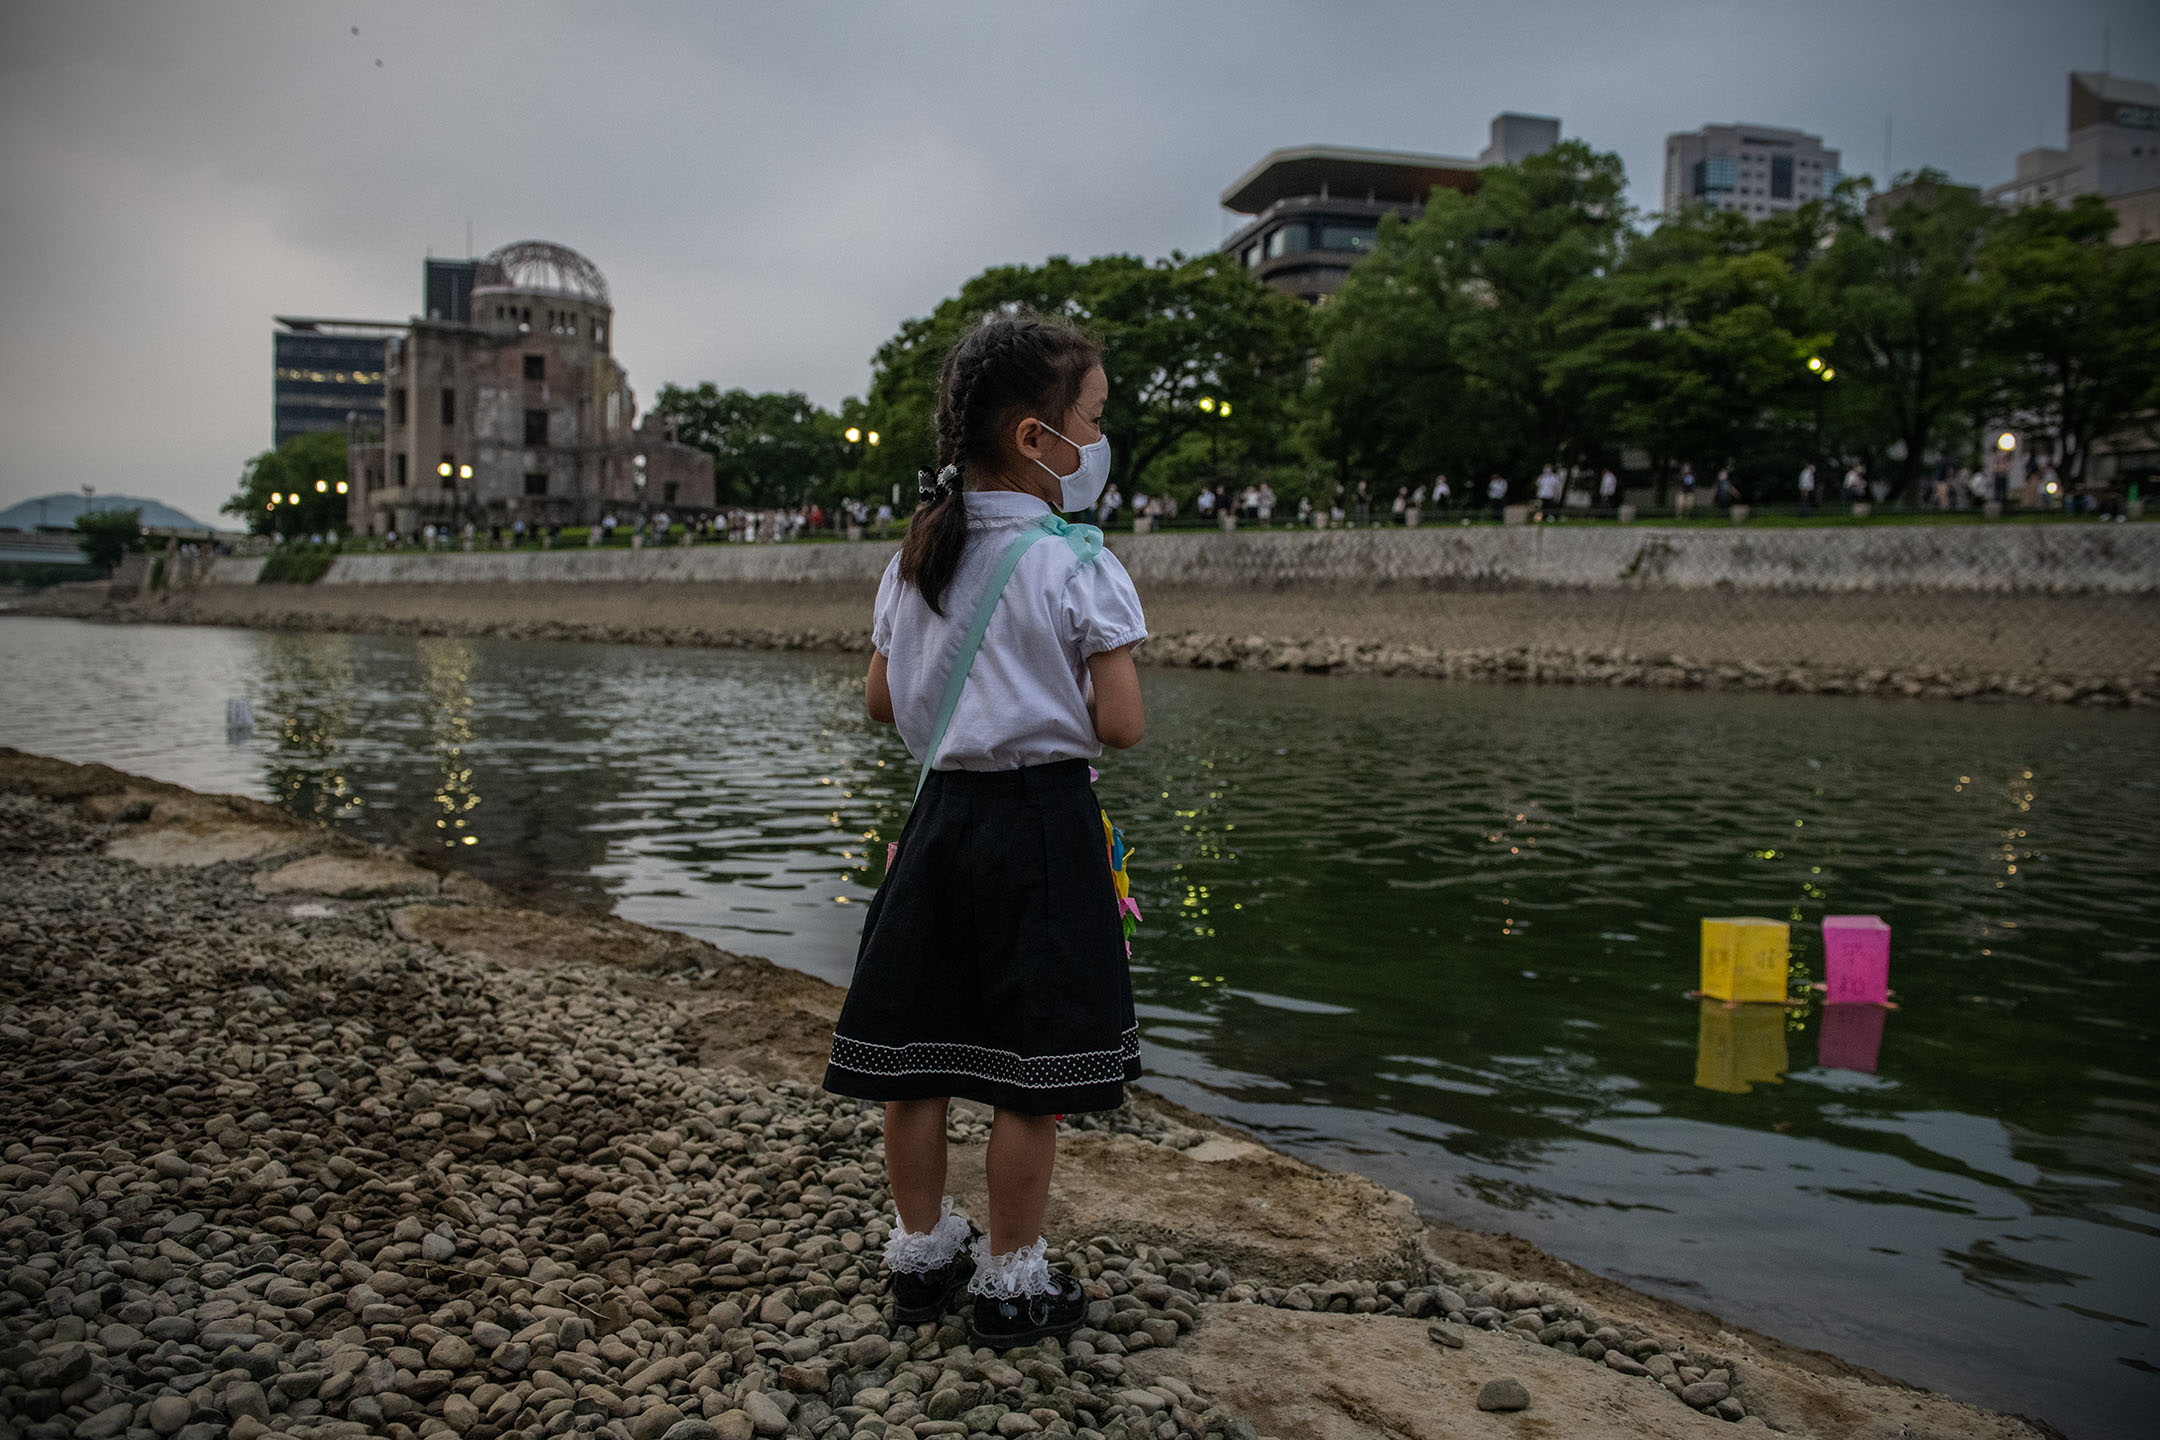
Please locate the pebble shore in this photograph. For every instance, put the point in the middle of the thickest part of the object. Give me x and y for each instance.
(270, 1168)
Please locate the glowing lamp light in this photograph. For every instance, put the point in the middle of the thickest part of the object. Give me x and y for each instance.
(322, 487)
(464, 472)
(443, 469)
(853, 435)
(341, 487)
(1828, 373)
(293, 499)
(2053, 488)
(1207, 403)
(2006, 441)
(1814, 362)
(873, 437)
(1224, 410)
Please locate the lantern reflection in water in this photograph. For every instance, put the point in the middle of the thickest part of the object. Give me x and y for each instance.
(1738, 1047)
(447, 666)
(1851, 1037)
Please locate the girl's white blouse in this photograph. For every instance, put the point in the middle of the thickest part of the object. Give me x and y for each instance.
(1026, 698)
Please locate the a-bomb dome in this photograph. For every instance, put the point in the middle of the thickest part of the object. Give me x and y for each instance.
(538, 267)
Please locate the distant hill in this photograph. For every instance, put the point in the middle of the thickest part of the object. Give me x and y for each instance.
(59, 512)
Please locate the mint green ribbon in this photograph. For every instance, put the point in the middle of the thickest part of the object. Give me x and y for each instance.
(1086, 543)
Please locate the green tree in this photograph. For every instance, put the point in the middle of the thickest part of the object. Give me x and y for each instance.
(1173, 331)
(106, 535)
(1691, 350)
(1441, 350)
(1904, 306)
(768, 449)
(311, 467)
(2074, 322)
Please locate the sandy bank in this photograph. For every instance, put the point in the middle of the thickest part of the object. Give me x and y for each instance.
(2097, 649)
(307, 1139)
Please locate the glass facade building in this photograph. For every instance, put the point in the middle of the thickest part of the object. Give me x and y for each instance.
(1754, 170)
(449, 288)
(1314, 211)
(324, 373)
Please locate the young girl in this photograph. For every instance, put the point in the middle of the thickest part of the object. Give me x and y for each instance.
(992, 962)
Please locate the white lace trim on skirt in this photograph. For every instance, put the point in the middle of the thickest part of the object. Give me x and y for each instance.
(982, 1062)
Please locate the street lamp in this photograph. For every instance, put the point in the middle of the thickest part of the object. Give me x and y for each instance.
(1825, 373)
(2006, 442)
(1220, 410)
(856, 435)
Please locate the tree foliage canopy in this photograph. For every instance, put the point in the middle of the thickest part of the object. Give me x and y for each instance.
(310, 466)
(770, 449)
(1173, 332)
(2073, 323)
(1531, 322)
(106, 535)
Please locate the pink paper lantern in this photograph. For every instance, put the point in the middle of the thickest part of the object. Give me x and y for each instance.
(1856, 959)
(1850, 1037)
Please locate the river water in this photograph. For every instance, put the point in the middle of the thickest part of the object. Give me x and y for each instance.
(1439, 934)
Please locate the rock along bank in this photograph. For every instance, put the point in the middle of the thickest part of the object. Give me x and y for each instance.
(305, 1139)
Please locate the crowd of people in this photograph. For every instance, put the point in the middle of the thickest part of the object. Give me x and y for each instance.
(1549, 497)
(739, 525)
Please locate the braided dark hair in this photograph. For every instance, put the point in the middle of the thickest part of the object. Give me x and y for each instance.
(1014, 362)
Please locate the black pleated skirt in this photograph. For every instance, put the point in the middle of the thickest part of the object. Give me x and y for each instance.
(992, 963)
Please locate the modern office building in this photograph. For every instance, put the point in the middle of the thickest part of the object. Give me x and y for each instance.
(1316, 209)
(2113, 151)
(325, 374)
(449, 285)
(1753, 170)
(1518, 137)
(516, 410)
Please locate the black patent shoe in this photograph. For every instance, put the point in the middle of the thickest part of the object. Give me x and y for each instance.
(923, 1296)
(1009, 1324)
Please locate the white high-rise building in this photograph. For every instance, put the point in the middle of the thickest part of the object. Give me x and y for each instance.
(1756, 170)
(2114, 149)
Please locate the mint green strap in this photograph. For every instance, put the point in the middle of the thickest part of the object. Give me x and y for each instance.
(1086, 542)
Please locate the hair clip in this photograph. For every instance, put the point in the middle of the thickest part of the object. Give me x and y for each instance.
(944, 483)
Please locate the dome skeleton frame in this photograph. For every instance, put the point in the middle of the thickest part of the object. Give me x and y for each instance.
(537, 266)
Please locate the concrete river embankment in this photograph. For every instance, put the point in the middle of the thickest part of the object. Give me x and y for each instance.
(2062, 612)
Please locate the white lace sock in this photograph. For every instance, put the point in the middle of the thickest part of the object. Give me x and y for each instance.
(918, 1252)
(1013, 1276)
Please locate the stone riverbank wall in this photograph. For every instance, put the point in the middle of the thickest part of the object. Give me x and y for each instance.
(2061, 612)
(2019, 559)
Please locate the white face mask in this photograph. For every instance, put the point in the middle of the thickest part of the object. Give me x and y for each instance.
(1084, 485)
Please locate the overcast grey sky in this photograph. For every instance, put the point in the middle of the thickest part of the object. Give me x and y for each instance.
(771, 189)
